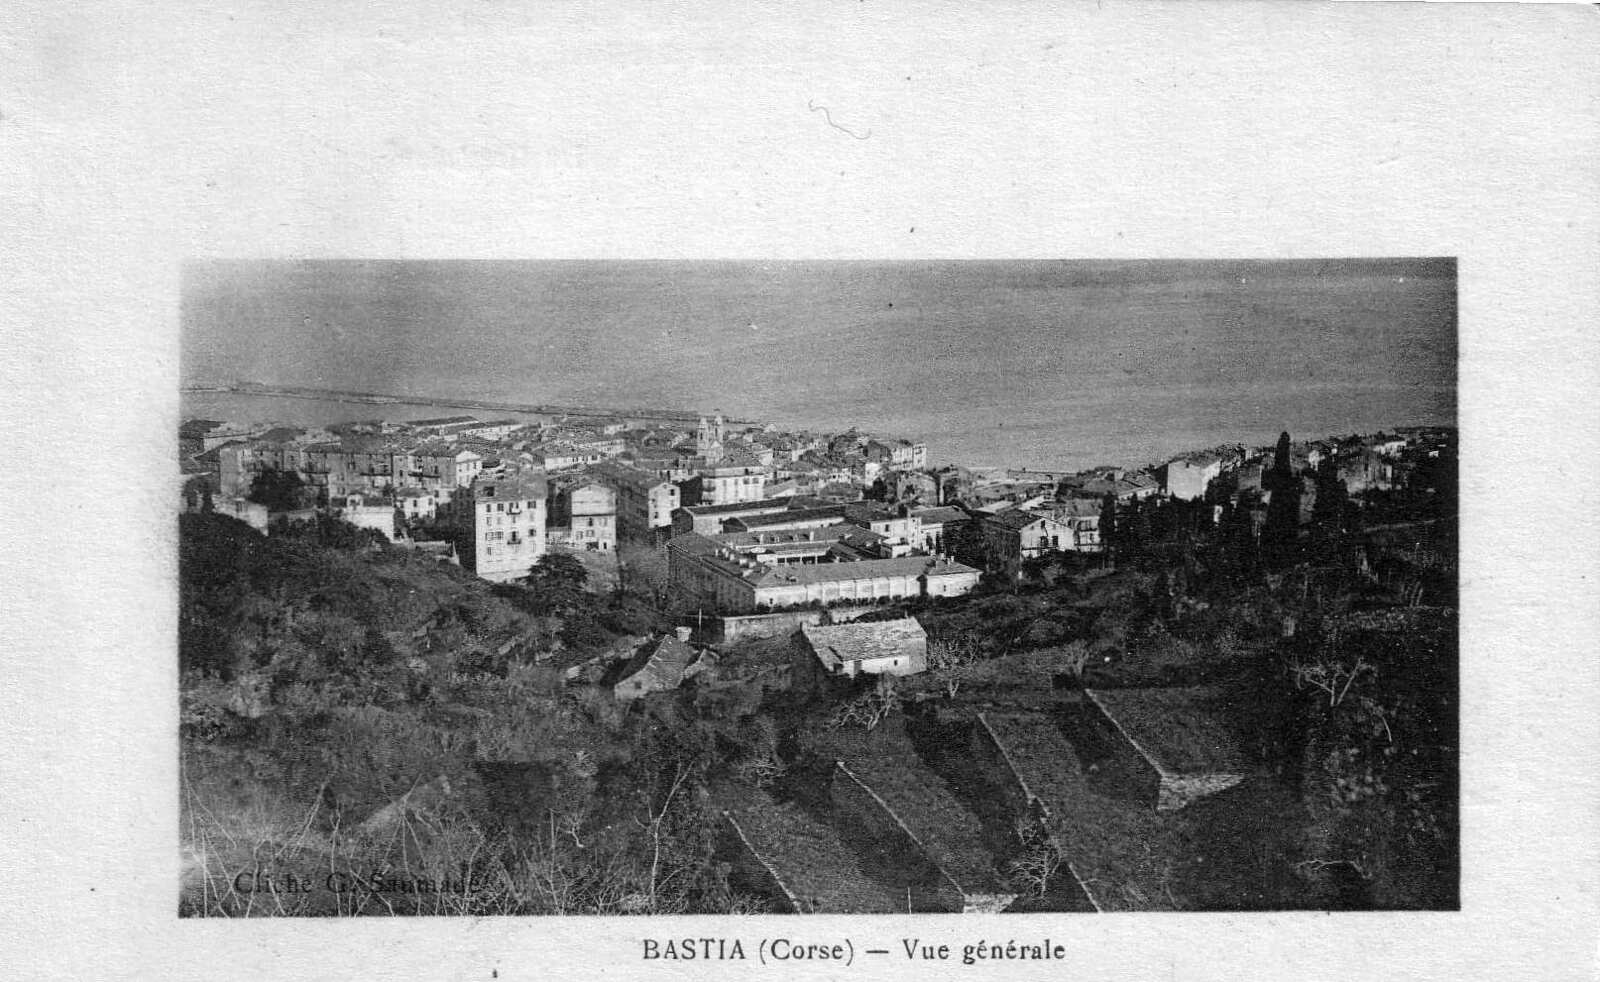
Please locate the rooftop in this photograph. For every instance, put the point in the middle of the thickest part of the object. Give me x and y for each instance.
(940, 516)
(662, 663)
(863, 570)
(512, 484)
(1015, 519)
(838, 643)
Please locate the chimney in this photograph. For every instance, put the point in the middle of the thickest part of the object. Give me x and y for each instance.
(683, 633)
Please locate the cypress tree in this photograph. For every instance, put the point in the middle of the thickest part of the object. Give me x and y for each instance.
(1280, 538)
(1108, 526)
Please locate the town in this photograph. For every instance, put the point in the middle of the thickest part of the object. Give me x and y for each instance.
(818, 672)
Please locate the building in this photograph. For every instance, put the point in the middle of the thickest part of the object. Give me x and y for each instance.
(417, 504)
(934, 528)
(735, 582)
(645, 502)
(898, 454)
(588, 509)
(727, 485)
(495, 430)
(1188, 477)
(897, 525)
(352, 465)
(246, 511)
(500, 523)
(709, 519)
(660, 666)
(444, 425)
(709, 438)
(787, 520)
(369, 511)
(1013, 535)
(563, 455)
(1082, 517)
(898, 647)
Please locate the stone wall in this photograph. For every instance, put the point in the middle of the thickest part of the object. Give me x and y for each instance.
(749, 872)
(726, 630)
(1115, 768)
(1178, 790)
(987, 752)
(888, 849)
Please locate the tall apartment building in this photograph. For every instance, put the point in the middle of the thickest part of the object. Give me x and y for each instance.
(501, 521)
(645, 502)
(730, 485)
(587, 512)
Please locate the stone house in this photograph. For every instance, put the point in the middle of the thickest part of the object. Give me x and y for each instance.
(660, 666)
(822, 652)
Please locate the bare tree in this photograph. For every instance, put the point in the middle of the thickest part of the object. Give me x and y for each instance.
(949, 659)
(1329, 675)
(1038, 858)
(870, 708)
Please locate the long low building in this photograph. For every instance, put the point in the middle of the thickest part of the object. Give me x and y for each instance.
(734, 582)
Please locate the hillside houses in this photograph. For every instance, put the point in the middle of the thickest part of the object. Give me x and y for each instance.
(898, 647)
(659, 666)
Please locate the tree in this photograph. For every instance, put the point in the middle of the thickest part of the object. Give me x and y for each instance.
(643, 571)
(1280, 542)
(278, 490)
(1109, 538)
(557, 581)
(870, 708)
(1038, 858)
(949, 660)
(1329, 512)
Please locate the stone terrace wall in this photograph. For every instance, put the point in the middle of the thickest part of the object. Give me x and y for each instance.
(889, 848)
(1019, 799)
(726, 630)
(751, 873)
(1115, 767)
(1178, 790)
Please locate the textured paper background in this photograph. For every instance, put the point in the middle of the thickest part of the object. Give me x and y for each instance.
(134, 135)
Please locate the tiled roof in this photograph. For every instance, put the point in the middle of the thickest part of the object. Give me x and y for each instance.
(737, 508)
(1078, 508)
(788, 516)
(838, 643)
(518, 484)
(1015, 519)
(661, 665)
(864, 570)
(940, 516)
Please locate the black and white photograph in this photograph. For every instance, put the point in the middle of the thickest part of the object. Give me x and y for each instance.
(818, 587)
(862, 489)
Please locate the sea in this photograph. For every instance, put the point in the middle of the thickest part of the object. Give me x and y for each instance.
(1048, 365)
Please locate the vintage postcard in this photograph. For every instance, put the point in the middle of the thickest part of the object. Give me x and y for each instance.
(572, 588)
(862, 490)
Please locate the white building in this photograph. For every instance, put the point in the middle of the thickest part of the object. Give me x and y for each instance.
(1188, 477)
(501, 521)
